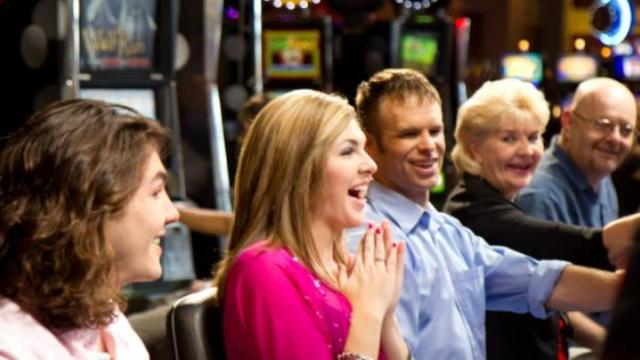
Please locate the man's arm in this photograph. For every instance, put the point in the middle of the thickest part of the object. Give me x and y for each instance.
(206, 221)
(585, 289)
(587, 332)
(618, 238)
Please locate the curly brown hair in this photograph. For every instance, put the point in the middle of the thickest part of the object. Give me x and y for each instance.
(74, 165)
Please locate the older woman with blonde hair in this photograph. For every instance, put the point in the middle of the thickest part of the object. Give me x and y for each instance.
(499, 145)
(287, 287)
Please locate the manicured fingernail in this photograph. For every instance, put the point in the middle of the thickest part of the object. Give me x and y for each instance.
(370, 226)
(378, 231)
(395, 244)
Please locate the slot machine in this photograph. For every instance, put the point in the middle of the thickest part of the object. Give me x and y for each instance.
(297, 54)
(570, 70)
(436, 46)
(123, 52)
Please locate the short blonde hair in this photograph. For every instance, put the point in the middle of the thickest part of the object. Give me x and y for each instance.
(484, 112)
(281, 174)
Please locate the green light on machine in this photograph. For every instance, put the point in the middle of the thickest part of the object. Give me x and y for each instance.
(424, 19)
(439, 188)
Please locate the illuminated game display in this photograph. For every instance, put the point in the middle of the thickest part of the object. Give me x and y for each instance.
(142, 100)
(292, 54)
(117, 35)
(575, 68)
(419, 51)
(525, 66)
(627, 67)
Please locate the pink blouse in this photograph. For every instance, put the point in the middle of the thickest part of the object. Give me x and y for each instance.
(23, 337)
(275, 308)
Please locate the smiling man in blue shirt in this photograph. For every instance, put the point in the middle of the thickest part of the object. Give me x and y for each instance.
(572, 183)
(452, 276)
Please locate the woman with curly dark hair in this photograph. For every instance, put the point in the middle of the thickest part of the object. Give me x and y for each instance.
(82, 212)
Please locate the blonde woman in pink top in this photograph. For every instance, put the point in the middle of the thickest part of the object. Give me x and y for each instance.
(287, 287)
(83, 209)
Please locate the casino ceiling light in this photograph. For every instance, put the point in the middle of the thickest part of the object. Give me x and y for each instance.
(416, 5)
(612, 20)
(293, 4)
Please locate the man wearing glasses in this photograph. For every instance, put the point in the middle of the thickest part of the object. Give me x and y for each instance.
(572, 183)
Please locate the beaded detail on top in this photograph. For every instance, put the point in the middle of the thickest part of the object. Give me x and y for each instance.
(332, 307)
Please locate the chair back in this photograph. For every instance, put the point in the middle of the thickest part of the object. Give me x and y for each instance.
(194, 327)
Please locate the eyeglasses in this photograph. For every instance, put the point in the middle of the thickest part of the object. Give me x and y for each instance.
(606, 125)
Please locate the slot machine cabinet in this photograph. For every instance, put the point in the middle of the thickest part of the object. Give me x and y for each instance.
(123, 52)
(570, 70)
(427, 44)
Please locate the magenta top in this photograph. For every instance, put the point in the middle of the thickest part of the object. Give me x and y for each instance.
(23, 337)
(275, 308)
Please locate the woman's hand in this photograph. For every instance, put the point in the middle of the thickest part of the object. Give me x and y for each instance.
(399, 264)
(392, 342)
(373, 281)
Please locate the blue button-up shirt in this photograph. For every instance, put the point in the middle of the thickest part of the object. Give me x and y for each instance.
(559, 191)
(452, 276)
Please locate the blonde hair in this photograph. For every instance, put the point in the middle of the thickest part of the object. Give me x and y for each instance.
(280, 174)
(483, 113)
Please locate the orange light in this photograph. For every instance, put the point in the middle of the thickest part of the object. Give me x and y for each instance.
(523, 45)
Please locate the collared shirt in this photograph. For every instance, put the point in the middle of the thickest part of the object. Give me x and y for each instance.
(559, 191)
(23, 337)
(452, 276)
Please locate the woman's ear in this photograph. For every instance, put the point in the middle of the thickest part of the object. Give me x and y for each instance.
(474, 150)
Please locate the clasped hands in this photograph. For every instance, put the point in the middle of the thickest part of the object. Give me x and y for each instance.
(372, 277)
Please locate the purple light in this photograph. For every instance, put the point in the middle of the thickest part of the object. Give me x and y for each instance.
(232, 13)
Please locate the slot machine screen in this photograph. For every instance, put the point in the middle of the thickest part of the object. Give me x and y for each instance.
(627, 67)
(292, 54)
(576, 68)
(419, 51)
(117, 35)
(523, 66)
(142, 100)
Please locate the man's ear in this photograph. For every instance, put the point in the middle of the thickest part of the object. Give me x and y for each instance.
(371, 145)
(566, 120)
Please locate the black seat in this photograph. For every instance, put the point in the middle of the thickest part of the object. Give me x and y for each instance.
(194, 327)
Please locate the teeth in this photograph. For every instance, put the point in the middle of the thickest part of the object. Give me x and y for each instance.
(424, 163)
(359, 192)
(156, 241)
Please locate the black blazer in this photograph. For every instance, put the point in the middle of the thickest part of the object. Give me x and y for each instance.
(499, 221)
